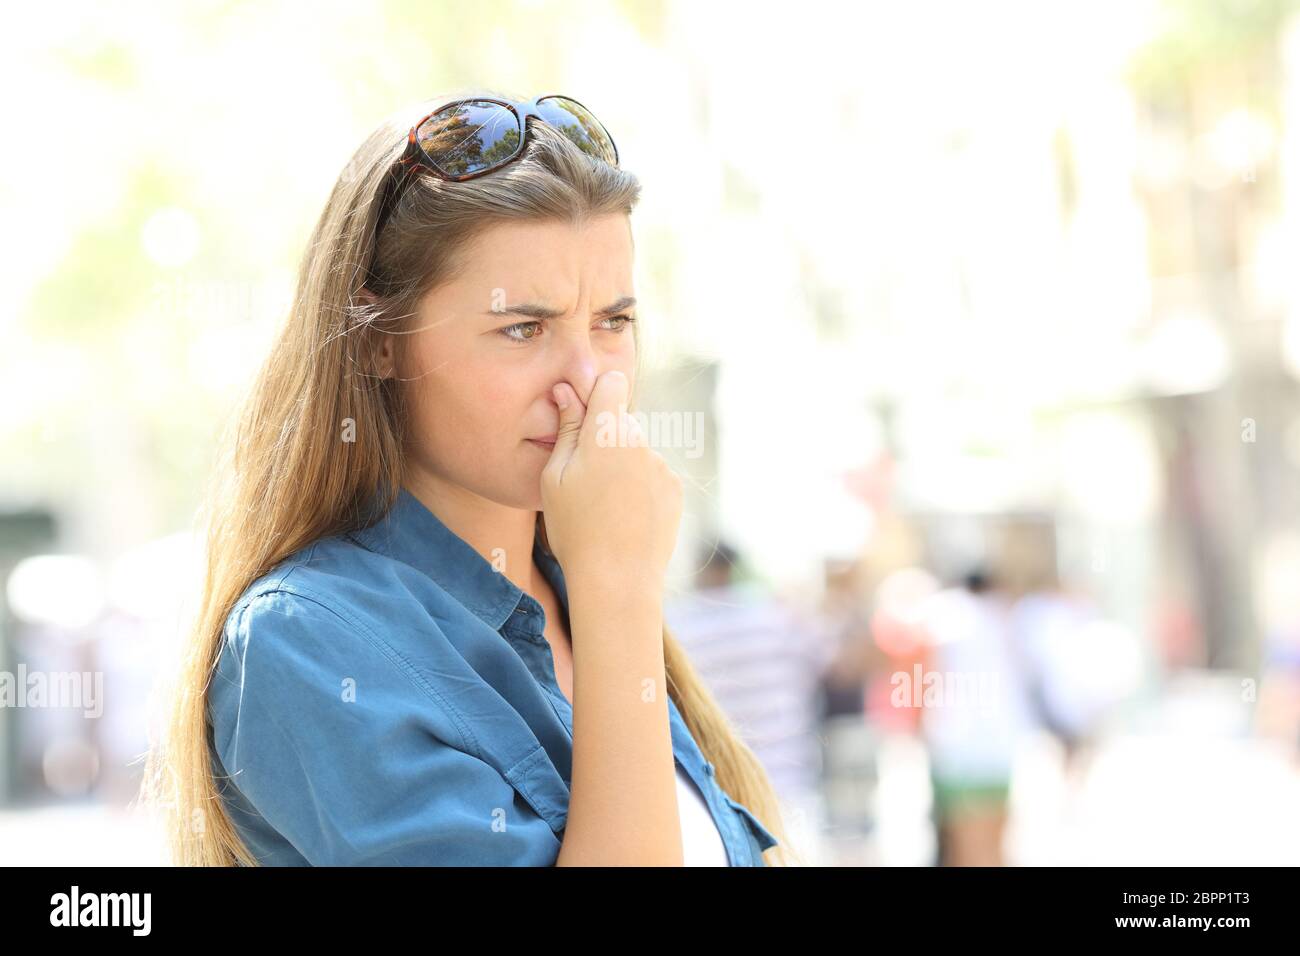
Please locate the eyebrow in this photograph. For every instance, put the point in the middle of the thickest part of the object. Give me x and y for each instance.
(535, 311)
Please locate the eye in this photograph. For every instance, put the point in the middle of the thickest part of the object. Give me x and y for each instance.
(509, 331)
(624, 320)
(515, 332)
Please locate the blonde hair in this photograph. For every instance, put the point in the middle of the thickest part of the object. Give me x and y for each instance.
(279, 487)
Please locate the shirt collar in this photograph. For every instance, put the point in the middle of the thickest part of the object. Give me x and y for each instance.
(414, 535)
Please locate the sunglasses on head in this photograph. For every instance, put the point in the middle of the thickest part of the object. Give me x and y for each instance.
(468, 138)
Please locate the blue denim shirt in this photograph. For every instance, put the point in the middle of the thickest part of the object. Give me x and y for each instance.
(386, 697)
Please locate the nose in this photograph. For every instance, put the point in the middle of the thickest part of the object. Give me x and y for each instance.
(578, 363)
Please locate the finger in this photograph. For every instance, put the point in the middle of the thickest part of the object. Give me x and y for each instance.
(605, 408)
(635, 433)
(572, 413)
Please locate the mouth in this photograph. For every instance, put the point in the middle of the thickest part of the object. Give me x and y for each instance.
(543, 443)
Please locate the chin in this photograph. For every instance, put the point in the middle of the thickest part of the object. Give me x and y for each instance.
(526, 496)
(531, 500)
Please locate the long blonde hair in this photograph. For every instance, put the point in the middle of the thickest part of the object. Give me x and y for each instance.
(279, 486)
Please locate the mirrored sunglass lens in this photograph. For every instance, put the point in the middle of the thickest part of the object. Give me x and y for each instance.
(469, 137)
(576, 122)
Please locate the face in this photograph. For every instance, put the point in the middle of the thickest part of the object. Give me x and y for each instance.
(535, 304)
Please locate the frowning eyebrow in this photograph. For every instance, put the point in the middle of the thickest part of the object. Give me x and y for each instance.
(535, 311)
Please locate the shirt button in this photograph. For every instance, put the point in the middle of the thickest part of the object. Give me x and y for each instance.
(708, 768)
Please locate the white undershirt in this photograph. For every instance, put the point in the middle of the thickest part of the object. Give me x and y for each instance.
(701, 843)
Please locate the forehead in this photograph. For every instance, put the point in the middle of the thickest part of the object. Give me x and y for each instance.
(555, 261)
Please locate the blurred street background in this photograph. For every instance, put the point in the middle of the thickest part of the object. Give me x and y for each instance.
(990, 314)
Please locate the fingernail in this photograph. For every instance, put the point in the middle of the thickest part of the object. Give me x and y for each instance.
(561, 396)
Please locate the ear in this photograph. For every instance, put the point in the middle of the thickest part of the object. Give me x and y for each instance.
(382, 354)
(385, 359)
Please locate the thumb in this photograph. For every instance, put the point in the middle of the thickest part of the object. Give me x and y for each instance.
(571, 415)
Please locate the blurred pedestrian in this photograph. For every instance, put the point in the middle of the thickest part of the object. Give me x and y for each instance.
(975, 712)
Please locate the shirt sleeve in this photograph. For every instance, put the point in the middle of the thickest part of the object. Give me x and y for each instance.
(346, 753)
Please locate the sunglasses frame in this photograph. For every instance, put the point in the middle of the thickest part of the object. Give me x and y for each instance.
(414, 157)
(414, 154)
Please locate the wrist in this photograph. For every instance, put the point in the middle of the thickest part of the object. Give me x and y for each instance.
(636, 584)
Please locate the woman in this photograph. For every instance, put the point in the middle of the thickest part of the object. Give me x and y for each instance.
(432, 631)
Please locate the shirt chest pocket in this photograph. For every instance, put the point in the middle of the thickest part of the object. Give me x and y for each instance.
(541, 785)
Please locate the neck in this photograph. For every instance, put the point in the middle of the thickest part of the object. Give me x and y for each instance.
(503, 535)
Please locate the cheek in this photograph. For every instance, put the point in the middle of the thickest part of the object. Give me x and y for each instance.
(475, 412)
(496, 396)
(501, 402)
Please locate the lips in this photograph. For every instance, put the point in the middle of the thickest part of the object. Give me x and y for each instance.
(544, 443)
